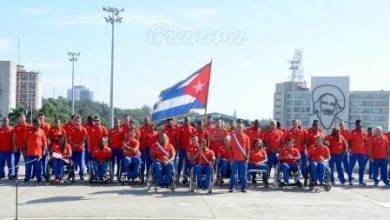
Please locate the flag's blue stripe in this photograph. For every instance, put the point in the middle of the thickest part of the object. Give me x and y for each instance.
(180, 110)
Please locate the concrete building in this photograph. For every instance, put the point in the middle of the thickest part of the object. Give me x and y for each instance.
(28, 88)
(330, 101)
(7, 87)
(80, 93)
(372, 107)
(284, 96)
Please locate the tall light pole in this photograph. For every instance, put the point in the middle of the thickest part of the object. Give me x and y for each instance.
(112, 18)
(73, 57)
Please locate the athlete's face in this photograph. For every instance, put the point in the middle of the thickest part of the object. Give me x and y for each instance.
(163, 138)
(5, 122)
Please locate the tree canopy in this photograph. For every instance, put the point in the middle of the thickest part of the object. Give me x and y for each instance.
(61, 108)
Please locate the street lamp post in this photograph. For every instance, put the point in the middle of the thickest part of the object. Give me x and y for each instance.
(73, 57)
(112, 18)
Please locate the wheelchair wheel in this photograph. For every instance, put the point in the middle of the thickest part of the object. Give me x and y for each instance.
(276, 175)
(217, 173)
(173, 182)
(192, 180)
(71, 172)
(121, 175)
(211, 185)
(141, 176)
(91, 174)
(327, 185)
(110, 172)
(49, 171)
(150, 180)
(265, 179)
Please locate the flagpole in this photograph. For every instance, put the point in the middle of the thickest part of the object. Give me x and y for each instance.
(208, 89)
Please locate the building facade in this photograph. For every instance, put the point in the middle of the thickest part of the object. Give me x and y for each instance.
(7, 87)
(28, 88)
(285, 96)
(80, 93)
(330, 101)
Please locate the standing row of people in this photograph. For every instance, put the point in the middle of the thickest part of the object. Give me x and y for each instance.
(81, 144)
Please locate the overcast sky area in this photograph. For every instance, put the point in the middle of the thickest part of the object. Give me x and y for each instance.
(337, 37)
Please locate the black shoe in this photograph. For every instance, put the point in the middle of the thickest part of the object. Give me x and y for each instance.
(305, 183)
(254, 181)
(39, 180)
(231, 190)
(243, 190)
(26, 180)
(81, 178)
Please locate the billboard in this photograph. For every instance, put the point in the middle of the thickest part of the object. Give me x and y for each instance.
(329, 102)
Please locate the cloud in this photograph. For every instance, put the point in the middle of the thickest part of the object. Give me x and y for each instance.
(32, 11)
(5, 44)
(78, 20)
(44, 66)
(145, 19)
(92, 19)
(198, 13)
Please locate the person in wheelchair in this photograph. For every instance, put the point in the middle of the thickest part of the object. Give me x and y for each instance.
(204, 161)
(258, 161)
(60, 154)
(101, 157)
(131, 155)
(224, 159)
(162, 154)
(289, 158)
(318, 155)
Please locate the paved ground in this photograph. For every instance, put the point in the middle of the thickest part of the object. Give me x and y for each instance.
(113, 201)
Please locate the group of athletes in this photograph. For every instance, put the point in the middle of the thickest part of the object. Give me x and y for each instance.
(171, 153)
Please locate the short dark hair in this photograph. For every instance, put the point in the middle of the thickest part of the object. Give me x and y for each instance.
(358, 121)
(41, 114)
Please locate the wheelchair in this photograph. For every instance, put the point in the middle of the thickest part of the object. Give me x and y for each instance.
(258, 172)
(327, 183)
(295, 174)
(194, 180)
(122, 174)
(152, 179)
(69, 172)
(108, 176)
(219, 178)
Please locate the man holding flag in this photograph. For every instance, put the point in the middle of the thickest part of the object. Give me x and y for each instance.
(180, 99)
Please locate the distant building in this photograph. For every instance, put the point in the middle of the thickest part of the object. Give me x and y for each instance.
(372, 107)
(283, 99)
(28, 88)
(80, 93)
(7, 87)
(330, 101)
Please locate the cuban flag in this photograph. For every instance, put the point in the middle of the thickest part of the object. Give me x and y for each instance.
(191, 93)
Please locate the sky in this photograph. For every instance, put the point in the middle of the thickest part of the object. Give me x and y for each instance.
(156, 46)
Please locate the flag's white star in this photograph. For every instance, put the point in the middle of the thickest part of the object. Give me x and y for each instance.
(198, 87)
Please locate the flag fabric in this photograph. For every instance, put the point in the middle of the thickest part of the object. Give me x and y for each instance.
(191, 93)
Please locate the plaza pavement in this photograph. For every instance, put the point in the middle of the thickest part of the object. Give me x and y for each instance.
(114, 201)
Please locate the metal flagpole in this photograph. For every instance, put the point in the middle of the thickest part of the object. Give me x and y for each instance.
(208, 89)
(17, 189)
